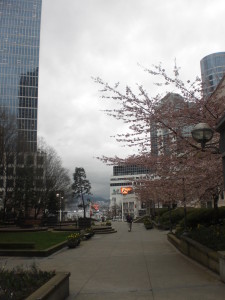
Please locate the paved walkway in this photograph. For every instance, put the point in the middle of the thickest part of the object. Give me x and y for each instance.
(137, 265)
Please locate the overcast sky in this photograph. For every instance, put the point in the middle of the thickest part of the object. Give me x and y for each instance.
(81, 39)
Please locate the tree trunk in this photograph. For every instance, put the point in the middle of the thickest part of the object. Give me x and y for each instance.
(216, 209)
(82, 197)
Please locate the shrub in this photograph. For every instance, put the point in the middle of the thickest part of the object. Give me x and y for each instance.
(148, 223)
(160, 211)
(176, 215)
(73, 237)
(204, 216)
(146, 219)
(18, 284)
(212, 236)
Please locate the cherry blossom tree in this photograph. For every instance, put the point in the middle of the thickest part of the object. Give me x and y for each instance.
(180, 162)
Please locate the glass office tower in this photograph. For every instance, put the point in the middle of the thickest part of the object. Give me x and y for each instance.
(19, 62)
(212, 71)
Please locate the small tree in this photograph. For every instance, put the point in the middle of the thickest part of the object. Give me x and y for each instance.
(81, 186)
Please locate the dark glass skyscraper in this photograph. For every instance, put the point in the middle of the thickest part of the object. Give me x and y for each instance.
(212, 71)
(19, 61)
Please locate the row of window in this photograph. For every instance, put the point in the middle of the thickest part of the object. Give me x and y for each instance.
(15, 49)
(17, 14)
(20, 79)
(21, 92)
(27, 124)
(17, 71)
(213, 70)
(129, 170)
(213, 60)
(27, 91)
(29, 146)
(29, 135)
(28, 102)
(14, 61)
(11, 183)
(24, 4)
(12, 172)
(30, 16)
(27, 113)
(21, 159)
(121, 184)
(25, 102)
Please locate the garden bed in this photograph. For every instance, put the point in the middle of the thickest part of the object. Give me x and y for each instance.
(32, 284)
(57, 288)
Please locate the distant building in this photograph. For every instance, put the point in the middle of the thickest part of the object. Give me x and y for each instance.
(122, 196)
(161, 137)
(212, 71)
(19, 65)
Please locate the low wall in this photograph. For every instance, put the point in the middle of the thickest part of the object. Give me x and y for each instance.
(222, 264)
(57, 288)
(32, 252)
(198, 252)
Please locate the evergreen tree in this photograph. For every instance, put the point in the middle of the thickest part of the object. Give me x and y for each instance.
(81, 186)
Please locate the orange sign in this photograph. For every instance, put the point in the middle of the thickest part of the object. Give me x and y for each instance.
(95, 206)
(126, 190)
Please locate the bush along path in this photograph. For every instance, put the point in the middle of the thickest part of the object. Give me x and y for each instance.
(19, 283)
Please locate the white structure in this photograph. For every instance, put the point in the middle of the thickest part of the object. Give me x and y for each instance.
(122, 196)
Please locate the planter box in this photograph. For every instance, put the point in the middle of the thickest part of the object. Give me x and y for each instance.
(57, 288)
(196, 251)
(149, 226)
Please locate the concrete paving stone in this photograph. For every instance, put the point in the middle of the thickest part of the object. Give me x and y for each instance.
(136, 265)
(113, 296)
(206, 292)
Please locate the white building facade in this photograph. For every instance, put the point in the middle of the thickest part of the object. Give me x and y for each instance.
(123, 199)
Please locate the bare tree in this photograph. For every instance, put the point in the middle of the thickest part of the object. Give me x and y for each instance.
(55, 178)
(8, 151)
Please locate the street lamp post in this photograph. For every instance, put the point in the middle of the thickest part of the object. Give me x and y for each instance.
(202, 133)
(221, 129)
(60, 208)
(185, 208)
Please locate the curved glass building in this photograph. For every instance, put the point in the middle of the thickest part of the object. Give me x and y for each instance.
(19, 61)
(212, 71)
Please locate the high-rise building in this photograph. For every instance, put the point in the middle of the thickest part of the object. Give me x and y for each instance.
(212, 71)
(19, 62)
(161, 137)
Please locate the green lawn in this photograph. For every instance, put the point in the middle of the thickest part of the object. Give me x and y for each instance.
(42, 239)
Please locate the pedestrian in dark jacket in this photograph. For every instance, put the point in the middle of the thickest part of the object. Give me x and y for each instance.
(129, 221)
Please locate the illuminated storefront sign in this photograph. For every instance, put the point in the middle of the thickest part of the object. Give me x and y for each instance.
(126, 190)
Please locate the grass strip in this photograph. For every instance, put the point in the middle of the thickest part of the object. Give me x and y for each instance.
(42, 239)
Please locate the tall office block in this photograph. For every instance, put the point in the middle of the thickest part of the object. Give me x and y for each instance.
(19, 62)
(162, 139)
(212, 71)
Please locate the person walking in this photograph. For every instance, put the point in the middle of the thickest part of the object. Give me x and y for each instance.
(129, 221)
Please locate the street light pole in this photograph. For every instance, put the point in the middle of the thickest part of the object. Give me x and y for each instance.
(60, 208)
(185, 209)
